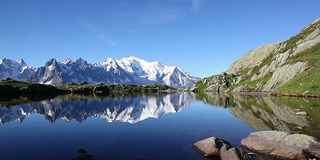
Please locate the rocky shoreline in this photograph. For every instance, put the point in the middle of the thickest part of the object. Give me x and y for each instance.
(262, 145)
(295, 95)
(275, 94)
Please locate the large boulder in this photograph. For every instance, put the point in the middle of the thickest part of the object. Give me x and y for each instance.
(282, 145)
(210, 146)
(219, 149)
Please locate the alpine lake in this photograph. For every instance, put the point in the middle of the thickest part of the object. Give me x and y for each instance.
(143, 127)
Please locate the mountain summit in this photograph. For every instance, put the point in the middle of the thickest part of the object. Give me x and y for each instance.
(289, 67)
(15, 70)
(131, 70)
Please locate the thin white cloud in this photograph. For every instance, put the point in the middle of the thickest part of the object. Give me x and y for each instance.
(151, 14)
(159, 16)
(100, 35)
(107, 40)
(196, 5)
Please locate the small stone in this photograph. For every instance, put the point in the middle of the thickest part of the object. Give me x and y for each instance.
(297, 110)
(231, 153)
(301, 113)
(297, 129)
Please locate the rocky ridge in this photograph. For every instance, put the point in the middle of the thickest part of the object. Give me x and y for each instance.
(277, 68)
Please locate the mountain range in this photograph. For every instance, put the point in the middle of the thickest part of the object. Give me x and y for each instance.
(290, 68)
(131, 70)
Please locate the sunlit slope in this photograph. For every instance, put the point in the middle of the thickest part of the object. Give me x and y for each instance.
(290, 67)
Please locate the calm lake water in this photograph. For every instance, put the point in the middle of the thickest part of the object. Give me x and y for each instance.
(144, 127)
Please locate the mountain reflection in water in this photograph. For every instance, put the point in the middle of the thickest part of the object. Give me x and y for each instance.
(271, 113)
(259, 112)
(197, 116)
(124, 109)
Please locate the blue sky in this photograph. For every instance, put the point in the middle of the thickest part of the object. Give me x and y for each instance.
(202, 37)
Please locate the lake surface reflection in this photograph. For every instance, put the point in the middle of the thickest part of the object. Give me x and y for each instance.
(143, 127)
(271, 113)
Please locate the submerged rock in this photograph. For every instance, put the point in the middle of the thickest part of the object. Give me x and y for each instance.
(282, 145)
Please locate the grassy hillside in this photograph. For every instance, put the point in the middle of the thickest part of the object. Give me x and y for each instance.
(296, 62)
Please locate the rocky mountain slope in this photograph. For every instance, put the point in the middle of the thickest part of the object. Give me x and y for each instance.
(129, 70)
(290, 67)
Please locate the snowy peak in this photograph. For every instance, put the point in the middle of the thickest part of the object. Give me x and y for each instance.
(130, 70)
(51, 62)
(67, 61)
(144, 72)
(17, 70)
(22, 62)
(157, 72)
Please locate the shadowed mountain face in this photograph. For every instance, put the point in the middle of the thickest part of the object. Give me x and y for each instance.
(124, 109)
(271, 113)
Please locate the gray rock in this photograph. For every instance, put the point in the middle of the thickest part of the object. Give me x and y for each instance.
(297, 109)
(312, 153)
(210, 146)
(283, 74)
(281, 144)
(253, 58)
(227, 153)
(219, 148)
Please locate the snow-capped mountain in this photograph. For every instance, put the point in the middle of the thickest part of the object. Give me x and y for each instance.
(129, 70)
(144, 72)
(131, 110)
(17, 70)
